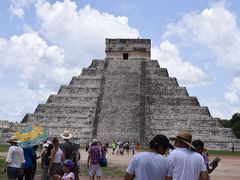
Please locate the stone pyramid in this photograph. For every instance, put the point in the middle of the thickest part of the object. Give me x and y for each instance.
(127, 96)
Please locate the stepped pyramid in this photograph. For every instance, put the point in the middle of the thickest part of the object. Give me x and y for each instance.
(127, 96)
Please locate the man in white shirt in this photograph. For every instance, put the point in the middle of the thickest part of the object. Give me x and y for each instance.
(151, 165)
(186, 163)
(14, 160)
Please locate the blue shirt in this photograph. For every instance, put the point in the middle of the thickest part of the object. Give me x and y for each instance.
(28, 156)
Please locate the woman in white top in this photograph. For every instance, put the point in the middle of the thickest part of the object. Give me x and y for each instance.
(57, 157)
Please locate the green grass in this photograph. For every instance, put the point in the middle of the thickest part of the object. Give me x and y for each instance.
(109, 171)
(4, 147)
(223, 153)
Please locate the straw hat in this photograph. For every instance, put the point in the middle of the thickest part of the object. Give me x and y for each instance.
(13, 139)
(185, 137)
(66, 135)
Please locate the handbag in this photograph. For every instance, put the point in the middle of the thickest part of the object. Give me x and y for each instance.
(102, 160)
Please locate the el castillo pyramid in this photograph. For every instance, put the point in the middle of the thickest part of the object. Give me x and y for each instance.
(128, 96)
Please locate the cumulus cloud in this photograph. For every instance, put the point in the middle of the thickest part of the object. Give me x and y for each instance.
(81, 32)
(16, 11)
(37, 69)
(233, 93)
(215, 28)
(168, 56)
(17, 7)
(34, 60)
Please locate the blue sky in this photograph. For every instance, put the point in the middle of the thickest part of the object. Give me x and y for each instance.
(44, 43)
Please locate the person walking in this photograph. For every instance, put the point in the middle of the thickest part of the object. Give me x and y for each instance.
(152, 165)
(14, 160)
(57, 157)
(28, 164)
(70, 151)
(186, 163)
(199, 145)
(34, 161)
(93, 161)
(45, 162)
(113, 146)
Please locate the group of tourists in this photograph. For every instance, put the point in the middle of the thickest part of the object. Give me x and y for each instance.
(124, 147)
(58, 161)
(20, 162)
(185, 161)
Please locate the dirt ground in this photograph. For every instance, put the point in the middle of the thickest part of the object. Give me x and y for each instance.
(228, 168)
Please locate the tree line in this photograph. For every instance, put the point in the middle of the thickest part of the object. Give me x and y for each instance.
(233, 123)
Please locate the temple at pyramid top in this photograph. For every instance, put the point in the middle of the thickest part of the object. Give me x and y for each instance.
(128, 49)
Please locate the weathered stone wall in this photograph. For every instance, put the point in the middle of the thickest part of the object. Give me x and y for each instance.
(134, 48)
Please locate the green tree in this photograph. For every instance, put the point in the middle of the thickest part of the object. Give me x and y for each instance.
(235, 124)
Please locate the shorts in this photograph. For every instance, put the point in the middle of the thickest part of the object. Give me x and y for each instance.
(94, 169)
(13, 172)
(56, 169)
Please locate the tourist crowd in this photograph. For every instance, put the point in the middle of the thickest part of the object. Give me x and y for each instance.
(186, 160)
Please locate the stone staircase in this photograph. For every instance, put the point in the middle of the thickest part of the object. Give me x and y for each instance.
(169, 109)
(73, 107)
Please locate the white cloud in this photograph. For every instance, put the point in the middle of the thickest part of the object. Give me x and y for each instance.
(233, 93)
(35, 61)
(215, 28)
(168, 56)
(81, 33)
(38, 70)
(16, 11)
(17, 7)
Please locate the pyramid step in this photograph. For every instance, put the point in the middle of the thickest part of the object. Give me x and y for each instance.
(197, 133)
(160, 82)
(72, 99)
(184, 123)
(178, 116)
(56, 118)
(152, 64)
(165, 109)
(157, 92)
(79, 90)
(173, 101)
(97, 64)
(91, 72)
(86, 80)
(162, 72)
(65, 109)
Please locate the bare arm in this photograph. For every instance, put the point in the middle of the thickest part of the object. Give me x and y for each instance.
(129, 176)
(203, 175)
(53, 152)
(88, 160)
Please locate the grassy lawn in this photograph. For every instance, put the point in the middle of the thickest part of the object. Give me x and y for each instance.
(4, 147)
(109, 171)
(224, 153)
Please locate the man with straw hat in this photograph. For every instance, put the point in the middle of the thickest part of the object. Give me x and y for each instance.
(14, 160)
(70, 151)
(186, 163)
